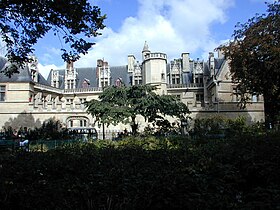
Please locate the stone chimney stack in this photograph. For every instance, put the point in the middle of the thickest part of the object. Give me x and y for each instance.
(186, 62)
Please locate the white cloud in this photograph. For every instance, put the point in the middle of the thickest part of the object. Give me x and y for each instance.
(45, 69)
(169, 26)
(49, 54)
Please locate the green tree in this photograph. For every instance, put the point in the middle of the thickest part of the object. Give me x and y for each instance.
(51, 129)
(254, 59)
(123, 104)
(23, 22)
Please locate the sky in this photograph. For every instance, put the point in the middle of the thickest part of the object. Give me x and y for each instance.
(168, 26)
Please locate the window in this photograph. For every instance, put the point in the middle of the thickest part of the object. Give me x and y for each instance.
(70, 84)
(85, 84)
(162, 76)
(175, 78)
(83, 123)
(137, 80)
(199, 97)
(104, 84)
(2, 92)
(255, 98)
(199, 80)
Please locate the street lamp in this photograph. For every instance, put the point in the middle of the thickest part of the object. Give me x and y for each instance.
(184, 126)
(217, 92)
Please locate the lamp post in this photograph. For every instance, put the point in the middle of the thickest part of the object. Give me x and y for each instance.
(184, 125)
(217, 93)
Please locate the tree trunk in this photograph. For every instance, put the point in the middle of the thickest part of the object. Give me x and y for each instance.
(271, 110)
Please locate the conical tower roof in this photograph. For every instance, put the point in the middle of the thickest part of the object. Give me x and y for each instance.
(146, 47)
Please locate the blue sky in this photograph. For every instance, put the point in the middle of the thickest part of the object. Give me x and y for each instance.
(169, 26)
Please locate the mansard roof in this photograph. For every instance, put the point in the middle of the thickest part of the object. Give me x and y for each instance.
(218, 64)
(120, 72)
(89, 74)
(42, 80)
(86, 74)
(23, 75)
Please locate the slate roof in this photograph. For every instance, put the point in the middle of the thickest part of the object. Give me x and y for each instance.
(23, 75)
(120, 72)
(218, 64)
(90, 74)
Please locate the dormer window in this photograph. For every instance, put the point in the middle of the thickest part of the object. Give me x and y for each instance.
(86, 83)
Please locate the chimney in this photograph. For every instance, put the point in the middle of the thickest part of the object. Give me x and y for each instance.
(186, 62)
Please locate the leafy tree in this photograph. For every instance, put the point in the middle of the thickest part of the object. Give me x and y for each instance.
(254, 59)
(23, 22)
(51, 129)
(123, 104)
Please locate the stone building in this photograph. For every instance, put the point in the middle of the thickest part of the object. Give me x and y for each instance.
(205, 86)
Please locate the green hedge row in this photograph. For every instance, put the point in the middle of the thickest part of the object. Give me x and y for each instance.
(146, 173)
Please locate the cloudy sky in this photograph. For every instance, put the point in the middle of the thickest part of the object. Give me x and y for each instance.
(169, 26)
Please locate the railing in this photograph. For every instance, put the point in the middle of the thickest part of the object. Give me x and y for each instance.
(192, 85)
(76, 90)
(81, 90)
(156, 55)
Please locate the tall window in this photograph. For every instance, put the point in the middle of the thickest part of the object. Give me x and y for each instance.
(83, 123)
(175, 78)
(199, 98)
(70, 84)
(2, 92)
(138, 80)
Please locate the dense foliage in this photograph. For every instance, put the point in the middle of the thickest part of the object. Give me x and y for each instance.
(23, 23)
(150, 173)
(50, 129)
(254, 59)
(123, 104)
(219, 126)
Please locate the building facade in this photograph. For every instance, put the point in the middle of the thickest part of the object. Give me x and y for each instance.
(205, 86)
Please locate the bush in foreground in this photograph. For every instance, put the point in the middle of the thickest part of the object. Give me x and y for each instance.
(145, 173)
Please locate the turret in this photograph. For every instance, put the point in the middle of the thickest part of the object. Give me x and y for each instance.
(145, 50)
(154, 69)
